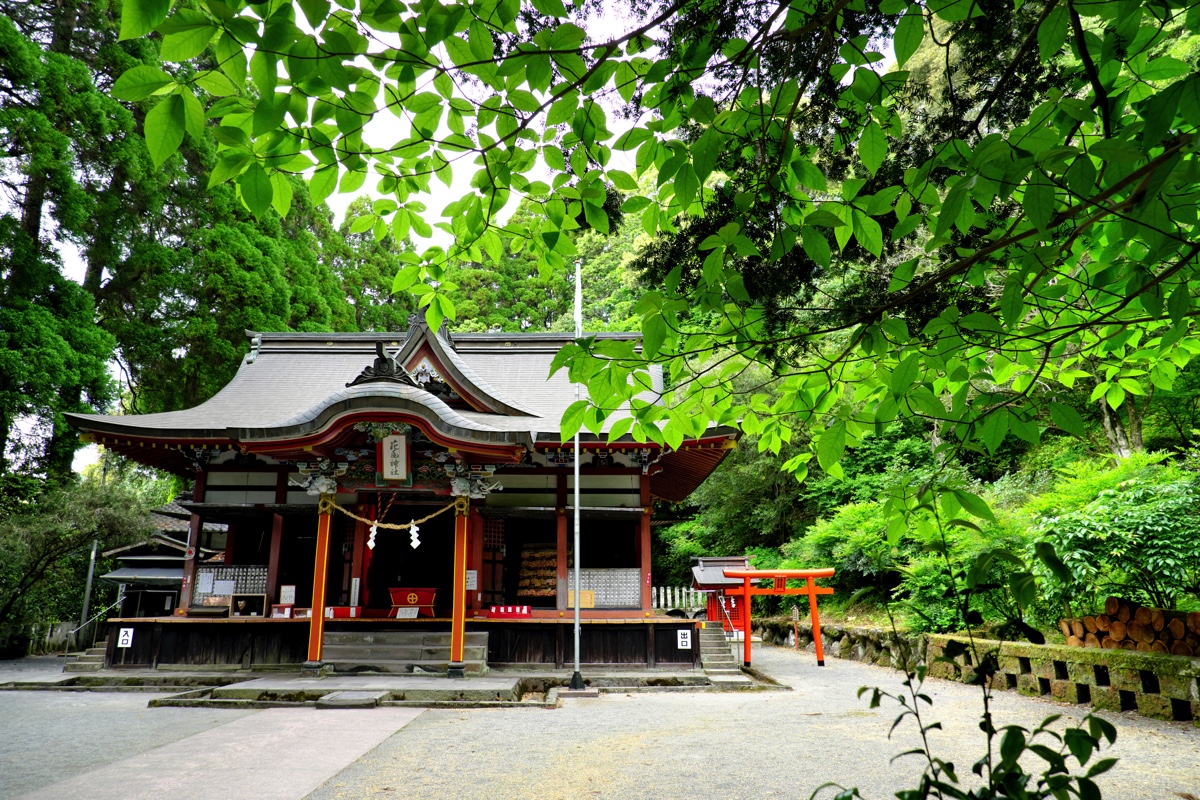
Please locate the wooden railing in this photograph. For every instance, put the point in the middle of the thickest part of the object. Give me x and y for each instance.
(683, 598)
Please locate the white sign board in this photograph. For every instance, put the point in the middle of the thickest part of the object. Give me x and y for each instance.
(409, 612)
(287, 596)
(204, 583)
(125, 638)
(224, 587)
(395, 458)
(472, 580)
(354, 584)
(685, 639)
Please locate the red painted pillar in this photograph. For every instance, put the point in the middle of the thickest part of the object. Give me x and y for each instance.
(811, 585)
(458, 612)
(316, 623)
(746, 605)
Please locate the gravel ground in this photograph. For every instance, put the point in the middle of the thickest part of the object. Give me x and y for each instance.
(31, 668)
(735, 745)
(48, 736)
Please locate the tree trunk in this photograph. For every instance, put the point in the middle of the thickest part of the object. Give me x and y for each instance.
(1114, 431)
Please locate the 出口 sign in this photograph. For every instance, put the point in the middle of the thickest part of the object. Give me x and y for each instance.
(394, 458)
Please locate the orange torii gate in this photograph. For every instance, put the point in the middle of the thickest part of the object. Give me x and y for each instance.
(779, 579)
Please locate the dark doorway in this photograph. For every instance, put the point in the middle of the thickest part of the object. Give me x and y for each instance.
(395, 563)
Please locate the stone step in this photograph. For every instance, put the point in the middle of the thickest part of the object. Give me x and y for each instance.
(83, 666)
(730, 681)
(415, 654)
(98, 650)
(350, 699)
(402, 638)
(473, 666)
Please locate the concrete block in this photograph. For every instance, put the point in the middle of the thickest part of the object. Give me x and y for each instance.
(1179, 687)
(1028, 685)
(1128, 679)
(352, 699)
(1106, 698)
(1064, 691)
(1154, 705)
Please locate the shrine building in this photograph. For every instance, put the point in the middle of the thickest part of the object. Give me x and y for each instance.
(322, 441)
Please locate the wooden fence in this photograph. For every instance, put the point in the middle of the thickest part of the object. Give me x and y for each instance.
(683, 598)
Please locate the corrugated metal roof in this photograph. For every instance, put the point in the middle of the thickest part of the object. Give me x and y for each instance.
(150, 576)
(709, 573)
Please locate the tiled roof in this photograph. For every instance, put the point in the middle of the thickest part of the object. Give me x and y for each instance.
(292, 381)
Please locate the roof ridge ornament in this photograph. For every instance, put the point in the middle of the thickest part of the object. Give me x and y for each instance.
(385, 369)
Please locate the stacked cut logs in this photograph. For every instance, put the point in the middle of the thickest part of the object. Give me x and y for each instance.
(1129, 626)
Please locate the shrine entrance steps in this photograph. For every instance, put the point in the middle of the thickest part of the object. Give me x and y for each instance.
(717, 660)
(357, 652)
(90, 660)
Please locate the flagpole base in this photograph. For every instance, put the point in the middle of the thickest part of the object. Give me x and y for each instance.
(576, 683)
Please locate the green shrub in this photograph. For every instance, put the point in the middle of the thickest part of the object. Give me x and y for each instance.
(1139, 538)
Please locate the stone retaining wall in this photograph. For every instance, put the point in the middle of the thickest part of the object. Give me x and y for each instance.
(873, 645)
(1155, 685)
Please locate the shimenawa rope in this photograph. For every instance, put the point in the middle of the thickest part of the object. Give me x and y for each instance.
(327, 506)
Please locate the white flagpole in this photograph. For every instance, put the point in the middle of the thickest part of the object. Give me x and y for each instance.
(577, 678)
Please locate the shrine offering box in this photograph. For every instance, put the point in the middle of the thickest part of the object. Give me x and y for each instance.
(421, 598)
(248, 605)
(281, 611)
(301, 613)
(343, 612)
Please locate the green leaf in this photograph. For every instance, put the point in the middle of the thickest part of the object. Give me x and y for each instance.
(905, 374)
(193, 114)
(572, 419)
(816, 246)
(868, 233)
(553, 8)
(686, 185)
(281, 193)
(140, 82)
(1068, 419)
(872, 147)
(140, 17)
(1039, 200)
(910, 31)
(1052, 34)
(256, 189)
(215, 83)
(323, 184)
(187, 44)
(165, 126)
(654, 333)
(1046, 554)
(1012, 302)
(704, 153)
(831, 445)
(974, 505)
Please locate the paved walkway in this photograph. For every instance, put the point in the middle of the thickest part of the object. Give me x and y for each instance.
(677, 745)
(729, 745)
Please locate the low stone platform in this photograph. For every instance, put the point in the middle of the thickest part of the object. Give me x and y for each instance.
(422, 688)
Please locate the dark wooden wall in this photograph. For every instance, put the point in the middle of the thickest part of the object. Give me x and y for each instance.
(201, 643)
(630, 645)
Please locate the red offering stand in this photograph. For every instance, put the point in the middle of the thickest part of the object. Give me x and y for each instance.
(419, 598)
(508, 612)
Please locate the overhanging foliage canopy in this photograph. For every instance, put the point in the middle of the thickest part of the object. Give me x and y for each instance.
(1023, 217)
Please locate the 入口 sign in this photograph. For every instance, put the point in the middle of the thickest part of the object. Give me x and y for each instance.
(395, 458)
(125, 638)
